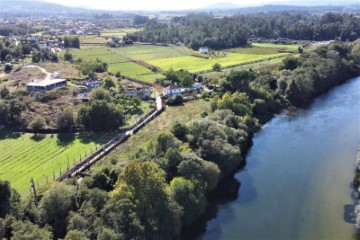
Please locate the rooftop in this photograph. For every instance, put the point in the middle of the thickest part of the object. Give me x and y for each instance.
(45, 83)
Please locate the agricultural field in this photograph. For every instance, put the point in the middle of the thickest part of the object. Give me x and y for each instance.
(23, 156)
(152, 52)
(190, 111)
(118, 62)
(289, 47)
(195, 64)
(92, 40)
(118, 32)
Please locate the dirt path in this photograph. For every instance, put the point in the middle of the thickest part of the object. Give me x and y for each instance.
(43, 70)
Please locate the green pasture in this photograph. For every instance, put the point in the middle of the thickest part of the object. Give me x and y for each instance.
(23, 156)
(117, 62)
(291, 47)
(118, 32)
(195, 64)
(152, 52)
(92, 40)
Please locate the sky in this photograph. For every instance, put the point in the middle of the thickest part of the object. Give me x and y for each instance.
(182, 4)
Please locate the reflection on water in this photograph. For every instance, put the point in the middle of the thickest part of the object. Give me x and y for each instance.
(296, 181)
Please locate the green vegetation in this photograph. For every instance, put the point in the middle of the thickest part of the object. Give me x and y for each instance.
(25, 155)
(152, 52)
(195, 64)
(118, 32)
(288, 47)
(118, 63)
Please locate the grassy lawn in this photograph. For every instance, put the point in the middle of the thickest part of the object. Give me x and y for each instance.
(188, 112)
(151, 52)
(25, 155)
(195, 64)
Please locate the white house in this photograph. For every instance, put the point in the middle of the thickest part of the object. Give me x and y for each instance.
(173, 89)
(204, 50)
(45, 85)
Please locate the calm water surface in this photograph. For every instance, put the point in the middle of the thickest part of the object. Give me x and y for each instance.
(297, 181)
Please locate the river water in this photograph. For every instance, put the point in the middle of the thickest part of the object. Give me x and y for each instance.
(297, 180)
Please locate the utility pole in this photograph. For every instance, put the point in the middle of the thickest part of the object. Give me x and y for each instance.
(34, 189)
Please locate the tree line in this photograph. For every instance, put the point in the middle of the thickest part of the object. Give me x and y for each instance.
(196, 30)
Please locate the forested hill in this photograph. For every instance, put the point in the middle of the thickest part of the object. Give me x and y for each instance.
(197, 30)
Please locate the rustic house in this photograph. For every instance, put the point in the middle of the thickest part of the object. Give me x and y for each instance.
(173, 89)
(142, 93)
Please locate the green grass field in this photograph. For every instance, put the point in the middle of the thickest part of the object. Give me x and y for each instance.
(195, 64)
(151, 52)
(92, 40)
(272, 45)
(117, 62)
(118, 32)
(23, 156)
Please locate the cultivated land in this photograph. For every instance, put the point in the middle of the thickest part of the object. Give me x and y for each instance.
(40, 156)
(118, 32)
(196, 64)
(118, 63)
(151, 52)
(188, 112)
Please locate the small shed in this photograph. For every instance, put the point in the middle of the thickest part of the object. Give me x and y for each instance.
(204, 50)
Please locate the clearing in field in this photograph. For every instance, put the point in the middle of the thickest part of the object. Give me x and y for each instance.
(118, 63)
(152, 52)
(195, 64)
(188, 112)
(42, 156)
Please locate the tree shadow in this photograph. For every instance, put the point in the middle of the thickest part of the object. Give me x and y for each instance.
(97, 138)
(64, 139)
(38, 137)
(9, 135)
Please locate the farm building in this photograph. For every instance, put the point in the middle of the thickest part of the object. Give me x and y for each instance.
(142, 93)
(91, 84)
(45, 85)
(173, 89)
(204, 50)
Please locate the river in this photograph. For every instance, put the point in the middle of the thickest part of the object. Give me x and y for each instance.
(297, 180)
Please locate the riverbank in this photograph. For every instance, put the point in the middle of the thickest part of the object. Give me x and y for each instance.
(296, 181)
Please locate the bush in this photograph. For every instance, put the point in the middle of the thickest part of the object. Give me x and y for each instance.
(37, 123)
(203, 114)
(216, 67)
(8, 68)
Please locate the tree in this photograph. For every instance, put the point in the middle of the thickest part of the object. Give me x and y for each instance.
(65, 120)
(68, 56)
(216, 67)
(37, 123)
(179, 130)
(8, 58)
(149, 213)
(184, 192)
(290, 63)
(56, 205)
(9, 199)
(76, 235)
(108, 83)
(164, 142)
(239, 81)
(28, 231)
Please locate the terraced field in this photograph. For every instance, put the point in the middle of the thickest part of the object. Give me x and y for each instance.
(118, 62)
(151, 52)
(23, 156)
(195, 64)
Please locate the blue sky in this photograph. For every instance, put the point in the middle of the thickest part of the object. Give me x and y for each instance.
(183, 4)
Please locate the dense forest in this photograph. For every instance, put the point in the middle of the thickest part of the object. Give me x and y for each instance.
(165, 186)
(198, 30)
